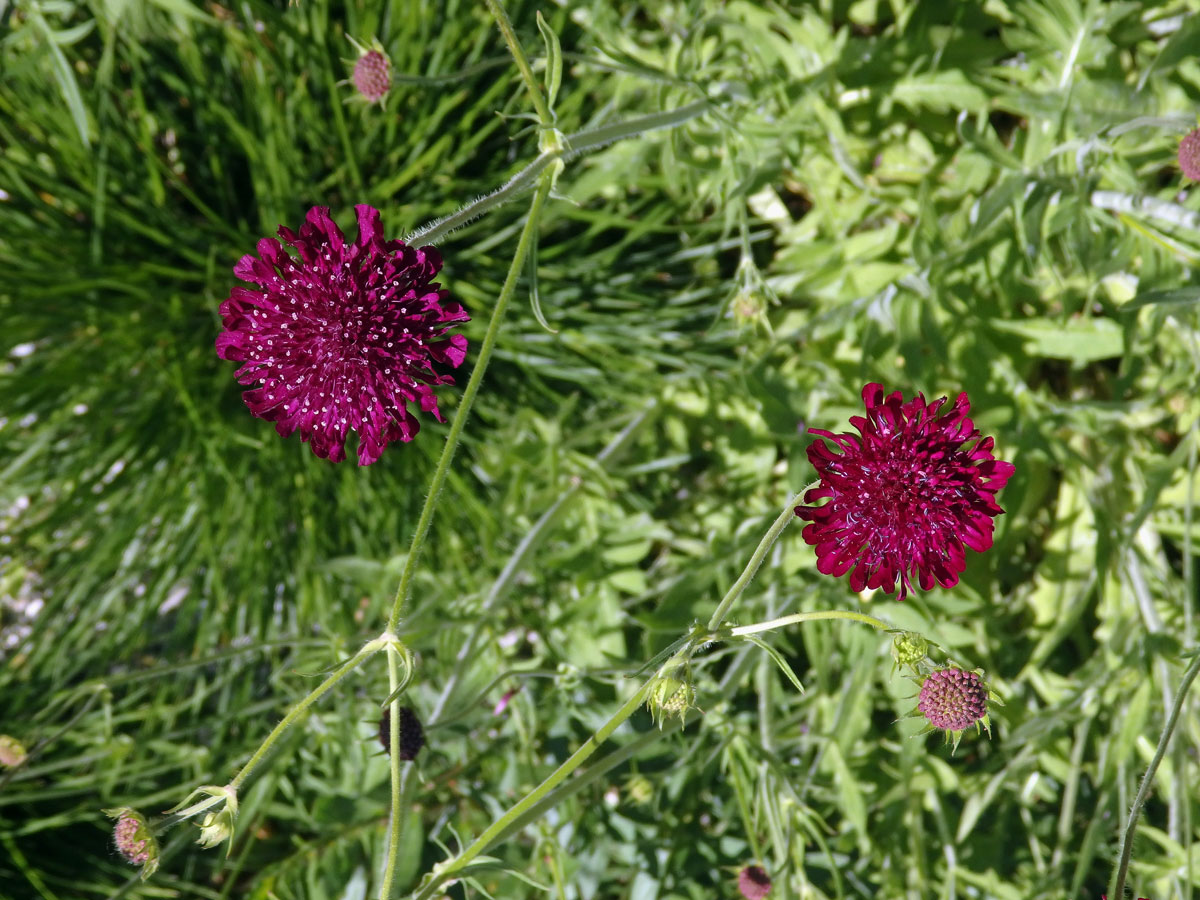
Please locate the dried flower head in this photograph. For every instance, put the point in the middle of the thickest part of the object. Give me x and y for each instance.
(754, 883)
(371, 75)
(1189, 155)
(342, 338)
(412, 735)
(905, 494)
(134, 840)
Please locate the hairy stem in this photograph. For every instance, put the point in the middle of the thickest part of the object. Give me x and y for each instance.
(448, 870)
(393, 848)
(572, 146)
(468, 398)
(760, 553)
(1148, 779)
(514, 47)
(301, 709)
(797, 618)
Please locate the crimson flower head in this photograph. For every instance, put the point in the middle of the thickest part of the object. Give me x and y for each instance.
(343, 337)
(905, 494)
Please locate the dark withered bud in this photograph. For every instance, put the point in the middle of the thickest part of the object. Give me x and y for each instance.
(412, 735)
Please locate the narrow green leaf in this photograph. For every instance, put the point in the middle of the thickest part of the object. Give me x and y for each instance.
(779, 661)
(553, 61)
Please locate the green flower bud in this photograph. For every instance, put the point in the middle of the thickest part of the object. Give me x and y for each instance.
(909, 648)
(12, 752)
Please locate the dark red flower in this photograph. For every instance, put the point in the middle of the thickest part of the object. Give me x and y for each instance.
(905, 494)
(1189, 155)
(343, 338)
(754, 883)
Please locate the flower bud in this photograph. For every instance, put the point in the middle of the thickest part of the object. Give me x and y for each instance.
(371, 75)
(671, 696)
(12, 752)
(909, 648)
(217, 824)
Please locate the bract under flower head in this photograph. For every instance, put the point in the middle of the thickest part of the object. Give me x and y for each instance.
(342, 338)
(905, 495)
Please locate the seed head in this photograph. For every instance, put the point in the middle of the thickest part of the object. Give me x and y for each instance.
(672, 696)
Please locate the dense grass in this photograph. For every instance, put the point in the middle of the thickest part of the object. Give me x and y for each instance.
(938, 196)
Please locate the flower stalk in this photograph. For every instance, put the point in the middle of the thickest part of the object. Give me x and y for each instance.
(468, 398)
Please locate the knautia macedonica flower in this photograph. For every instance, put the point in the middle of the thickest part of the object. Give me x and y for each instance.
(371, 75)
(134, 840)
(905, 495)
(1189, 155)
(342, 338)
(754, 883)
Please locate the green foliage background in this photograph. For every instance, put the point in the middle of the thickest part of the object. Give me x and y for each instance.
(937, 196)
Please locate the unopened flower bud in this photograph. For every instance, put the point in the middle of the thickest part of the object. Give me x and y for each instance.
(12, 751)
(909, 648)
(671, 696)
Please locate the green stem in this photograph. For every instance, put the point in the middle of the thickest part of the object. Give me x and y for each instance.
(572, 146)
(448, 870)
(514, 47)
(393, 850)
(468, 397)
(796, 618)
(731, 596)
(301, 708)
(1148, 779)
